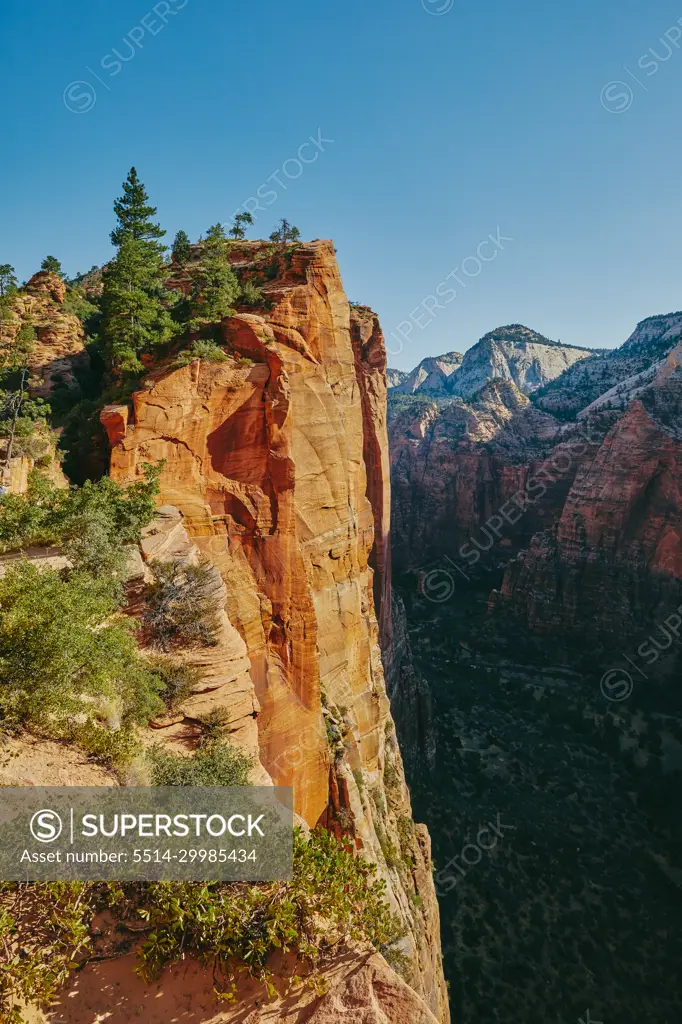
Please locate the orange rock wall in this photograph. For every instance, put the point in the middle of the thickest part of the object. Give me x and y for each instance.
(277, 459)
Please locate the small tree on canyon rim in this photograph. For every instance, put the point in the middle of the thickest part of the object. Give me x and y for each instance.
(181, 250)
(285, 232)
(214, 283)
(134, 300)
(239, 225)
(51, 265)
(8, 281)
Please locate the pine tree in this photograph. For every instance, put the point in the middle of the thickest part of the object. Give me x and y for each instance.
(214, 283)
(134, 316)
(134, 214)
(51, 265)
(134, 300)
(182, 250)
(286, 232)
(8, 281)
(238, 229)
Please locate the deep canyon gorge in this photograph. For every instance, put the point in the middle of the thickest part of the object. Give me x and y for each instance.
(448, 598)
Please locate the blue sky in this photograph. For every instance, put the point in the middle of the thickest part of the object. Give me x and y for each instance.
(450, 121)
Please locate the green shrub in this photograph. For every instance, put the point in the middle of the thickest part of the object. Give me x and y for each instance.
(205, 349)
(179, 680)
(65, 667)
(51, 515)
(406, 833)
(227, 926)
(401, 964)
(215, 725)
(252, 296)
(214, 764)
(182, 605)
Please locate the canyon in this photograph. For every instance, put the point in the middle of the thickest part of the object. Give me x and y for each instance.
(536, 548)
(432, 586)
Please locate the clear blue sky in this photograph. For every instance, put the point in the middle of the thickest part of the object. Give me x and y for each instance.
(445, 127)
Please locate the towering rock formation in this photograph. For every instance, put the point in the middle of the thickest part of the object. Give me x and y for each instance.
(614, 560)
(277, 460)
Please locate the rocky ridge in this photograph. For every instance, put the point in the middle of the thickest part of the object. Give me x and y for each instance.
(430, 377)
(513, 353)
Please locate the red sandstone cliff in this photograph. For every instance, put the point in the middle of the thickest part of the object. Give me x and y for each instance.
(455, 466)
(277, 460)
(614, 560)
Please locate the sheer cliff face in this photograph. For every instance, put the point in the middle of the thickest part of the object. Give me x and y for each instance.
(455, 465)
(614, 560)
(277, 459)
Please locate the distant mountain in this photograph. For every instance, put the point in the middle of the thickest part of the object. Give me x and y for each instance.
(430, 376)
(610, 379)
(395, 377)
(513, 353)
(517, 354)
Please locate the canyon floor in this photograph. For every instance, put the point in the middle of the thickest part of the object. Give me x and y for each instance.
(572, 903)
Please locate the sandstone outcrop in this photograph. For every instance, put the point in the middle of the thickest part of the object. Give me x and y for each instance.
(430, 376)
(59, 334)
(357, 987)
(277, 461)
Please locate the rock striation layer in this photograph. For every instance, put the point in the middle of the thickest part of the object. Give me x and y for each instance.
(277, 461)
(614, 560)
